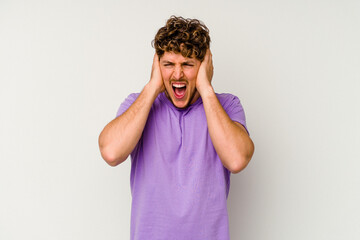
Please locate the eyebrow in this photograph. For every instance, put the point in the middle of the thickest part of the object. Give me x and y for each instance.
(186, 62)
(166, 61)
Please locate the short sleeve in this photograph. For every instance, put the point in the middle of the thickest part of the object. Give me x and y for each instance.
(233, 108)
(127, 103)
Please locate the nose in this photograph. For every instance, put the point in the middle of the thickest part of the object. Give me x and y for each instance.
(178, 73)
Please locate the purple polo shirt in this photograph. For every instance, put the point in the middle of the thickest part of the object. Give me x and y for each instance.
(178, 183)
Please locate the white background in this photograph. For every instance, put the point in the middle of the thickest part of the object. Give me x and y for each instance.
(66, 66)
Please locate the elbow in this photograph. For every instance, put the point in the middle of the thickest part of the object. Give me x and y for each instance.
(243, 161)
(239, 165)
(111, 161)
(109, 154)
(245, 155)
(110, 158)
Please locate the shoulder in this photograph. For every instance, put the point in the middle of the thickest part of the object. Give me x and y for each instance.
(132, 97)
(227, 99)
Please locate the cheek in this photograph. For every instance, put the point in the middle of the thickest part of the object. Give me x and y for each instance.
(165, 74)
(192, 76)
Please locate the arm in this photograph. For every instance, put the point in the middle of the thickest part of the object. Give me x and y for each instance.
(230, 139)
(120, 136)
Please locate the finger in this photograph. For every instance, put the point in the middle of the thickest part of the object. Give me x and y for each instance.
(205, 59)
(155, 57)
(156, 61)
(209, 56)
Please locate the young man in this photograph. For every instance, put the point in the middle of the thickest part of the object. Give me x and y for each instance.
(184, 139)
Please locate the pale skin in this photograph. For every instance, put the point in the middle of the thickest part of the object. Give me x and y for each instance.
(230, 139)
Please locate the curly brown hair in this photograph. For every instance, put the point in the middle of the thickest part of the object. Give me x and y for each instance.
(190, 37)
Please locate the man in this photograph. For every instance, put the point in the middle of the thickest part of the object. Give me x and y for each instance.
(184, 141)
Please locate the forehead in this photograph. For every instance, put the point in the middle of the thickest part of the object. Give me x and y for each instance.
(176, 57)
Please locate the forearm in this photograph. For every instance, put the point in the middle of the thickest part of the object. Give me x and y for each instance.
(120, 136)
(231, 141)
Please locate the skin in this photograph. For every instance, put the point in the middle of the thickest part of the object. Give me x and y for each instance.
(178, 69)
(230, 139)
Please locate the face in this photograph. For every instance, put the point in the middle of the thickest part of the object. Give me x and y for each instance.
(179, 75)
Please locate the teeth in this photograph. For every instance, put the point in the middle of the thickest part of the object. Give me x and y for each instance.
(178, 85)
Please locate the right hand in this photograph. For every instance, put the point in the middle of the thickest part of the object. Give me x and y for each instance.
(156, 79)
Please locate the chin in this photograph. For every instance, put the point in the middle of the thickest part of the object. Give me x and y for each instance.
(184, 102)
(180, 103)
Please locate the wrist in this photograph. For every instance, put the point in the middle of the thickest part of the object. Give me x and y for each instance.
(152, 89)
(206, 91)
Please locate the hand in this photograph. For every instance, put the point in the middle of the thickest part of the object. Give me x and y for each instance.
(205, 73)
(156, 79)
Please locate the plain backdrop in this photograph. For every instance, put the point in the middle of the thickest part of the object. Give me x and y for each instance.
(65, 67)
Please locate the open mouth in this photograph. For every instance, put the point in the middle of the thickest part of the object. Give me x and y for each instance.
(179, 90)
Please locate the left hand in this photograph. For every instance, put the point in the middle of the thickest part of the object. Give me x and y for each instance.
(205, 73)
